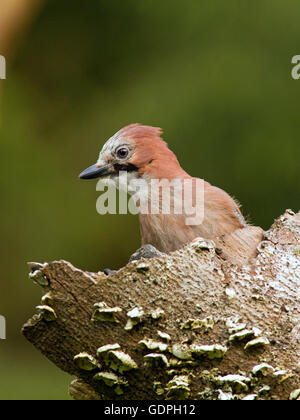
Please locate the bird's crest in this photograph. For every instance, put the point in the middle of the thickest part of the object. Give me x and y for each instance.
(138, 131)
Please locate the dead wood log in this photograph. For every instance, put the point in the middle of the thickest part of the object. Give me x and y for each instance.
(210, 321)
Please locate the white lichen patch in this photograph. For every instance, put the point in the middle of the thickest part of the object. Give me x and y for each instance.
(178, 388)
(149, 344)
(176, 363)
(104, 349)
(230, 293)
(238, 383)
(294, 395)
(250, 397)
(257, 342)
(135, 313)
(103, 313)
(158, 313)
(262, 369)
(282, 375)
(195, 324)
(164, 336)
(202, 245)
(85, 361)
(142, 268)
(47, 299)
(39, 278)
(225, 396)
(110, 379)
(47, 313)
(264, 390)
(181, 351)
(156, 360)
(158, 388)
(214, 351)
(234, 325)
(208, 376)
(280, 372)
(33, 266)
(257, 332)
(242, 335)
(135, 316)
(245, 334)
(119, 361)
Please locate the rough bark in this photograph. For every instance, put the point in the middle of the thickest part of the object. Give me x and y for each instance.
(207, 291)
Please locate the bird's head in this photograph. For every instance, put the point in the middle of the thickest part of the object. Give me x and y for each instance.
(137, 149)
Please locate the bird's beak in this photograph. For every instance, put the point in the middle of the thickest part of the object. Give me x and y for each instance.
(96, 171)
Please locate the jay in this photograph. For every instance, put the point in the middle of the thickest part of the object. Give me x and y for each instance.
(141, 152)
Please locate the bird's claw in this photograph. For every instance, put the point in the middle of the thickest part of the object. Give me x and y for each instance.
(108, 271)
(146, 251)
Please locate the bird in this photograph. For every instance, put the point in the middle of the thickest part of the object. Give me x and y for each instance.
(140, 151)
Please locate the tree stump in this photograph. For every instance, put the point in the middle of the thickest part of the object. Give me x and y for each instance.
(213, 320)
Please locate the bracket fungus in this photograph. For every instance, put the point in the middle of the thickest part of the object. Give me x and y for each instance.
(103, 313)
(119, 361)
(47, 313)
(156, 360)
(257, 342)
(195, 324)
(149, 344)
(135, 316)
(85, 361)
(238, 383)
(214, 351)
(112, 380)
(178, 388)
(39, 278)
(157, 313)
(105, 349)
(262, 369)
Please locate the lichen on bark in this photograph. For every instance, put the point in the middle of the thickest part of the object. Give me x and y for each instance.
(246, 284)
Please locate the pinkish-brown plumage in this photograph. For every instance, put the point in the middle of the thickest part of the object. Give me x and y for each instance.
(148, 157)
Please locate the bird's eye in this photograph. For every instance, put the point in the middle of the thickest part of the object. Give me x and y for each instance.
(122, 153)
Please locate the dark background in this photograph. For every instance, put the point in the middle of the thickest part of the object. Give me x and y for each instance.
(216, 76)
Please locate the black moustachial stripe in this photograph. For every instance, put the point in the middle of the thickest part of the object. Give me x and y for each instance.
(128, 168)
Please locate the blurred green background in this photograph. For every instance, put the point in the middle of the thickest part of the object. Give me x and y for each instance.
(215, 75)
